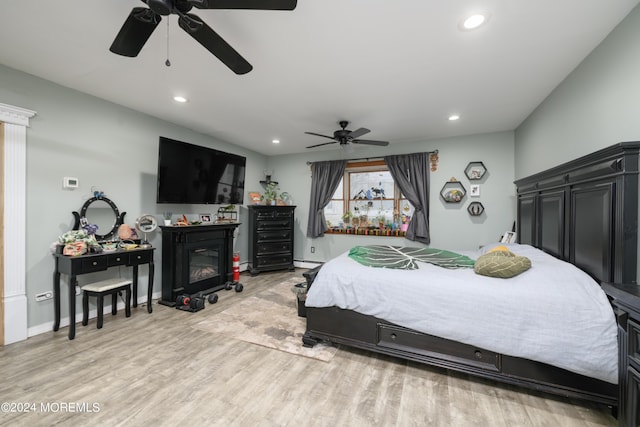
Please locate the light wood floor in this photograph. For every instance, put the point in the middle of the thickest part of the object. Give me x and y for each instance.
(157, 370)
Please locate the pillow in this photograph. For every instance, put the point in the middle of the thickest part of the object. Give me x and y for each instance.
(502, 264)
(501, 248)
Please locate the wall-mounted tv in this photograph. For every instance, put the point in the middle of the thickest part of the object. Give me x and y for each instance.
(193, 174)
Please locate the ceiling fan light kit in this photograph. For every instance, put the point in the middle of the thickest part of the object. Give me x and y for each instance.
(345, 137)
(142, 21)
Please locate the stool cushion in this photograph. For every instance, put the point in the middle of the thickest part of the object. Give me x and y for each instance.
(106, 285)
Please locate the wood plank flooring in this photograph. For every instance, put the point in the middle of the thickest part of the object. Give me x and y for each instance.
(157, 370)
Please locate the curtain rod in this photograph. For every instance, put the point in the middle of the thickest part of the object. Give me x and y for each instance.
(376, 158)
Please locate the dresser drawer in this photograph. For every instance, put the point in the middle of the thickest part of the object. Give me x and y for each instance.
(273, 236)
(395, 337)
(273, 260)
(117, 259)
(265, 215)
(272, 248)
(93, 264)
(275, 224)
(273, 214)
(136, 258)
(283, 214)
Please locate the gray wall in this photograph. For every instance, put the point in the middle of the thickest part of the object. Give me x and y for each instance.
(105, 146)
(451, 225)
(115, 150)
(596, 106)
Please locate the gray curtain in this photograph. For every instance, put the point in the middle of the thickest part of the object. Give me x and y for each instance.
(411, 173)
(325, 178)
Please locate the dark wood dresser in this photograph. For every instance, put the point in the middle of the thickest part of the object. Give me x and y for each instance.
(625, 299)
(270, 238)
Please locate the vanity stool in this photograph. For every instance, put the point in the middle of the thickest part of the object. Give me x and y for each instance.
(99, 290)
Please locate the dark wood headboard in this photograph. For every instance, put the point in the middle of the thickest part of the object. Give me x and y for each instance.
(586, 212)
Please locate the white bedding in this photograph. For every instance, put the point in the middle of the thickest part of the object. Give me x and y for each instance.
(553, 313)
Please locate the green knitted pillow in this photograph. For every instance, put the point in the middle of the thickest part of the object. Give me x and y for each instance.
(502, 264)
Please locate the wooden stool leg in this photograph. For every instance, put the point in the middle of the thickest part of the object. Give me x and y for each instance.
(114, 303)
(127, 302)
(100, 310)
(85, 308)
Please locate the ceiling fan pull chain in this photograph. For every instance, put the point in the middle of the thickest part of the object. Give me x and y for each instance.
(167, 62)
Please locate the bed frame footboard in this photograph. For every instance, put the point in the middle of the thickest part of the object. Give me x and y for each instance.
(369, 333)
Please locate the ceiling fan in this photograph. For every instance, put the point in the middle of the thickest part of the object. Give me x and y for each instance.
(344, 136)
(141, 22)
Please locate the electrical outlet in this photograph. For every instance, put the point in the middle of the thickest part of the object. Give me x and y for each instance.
(44, 296)
(313, 249)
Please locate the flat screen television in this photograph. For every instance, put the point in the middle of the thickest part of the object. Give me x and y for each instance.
(192, 174)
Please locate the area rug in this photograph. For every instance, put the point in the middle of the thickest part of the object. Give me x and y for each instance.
(270, 319)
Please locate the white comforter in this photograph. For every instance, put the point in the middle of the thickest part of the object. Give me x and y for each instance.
(553, 313)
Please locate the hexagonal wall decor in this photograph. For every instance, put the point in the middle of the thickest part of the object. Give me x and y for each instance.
(475, 170)
(453, 191)
(475, 209)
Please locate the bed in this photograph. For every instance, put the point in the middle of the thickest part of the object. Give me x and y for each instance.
(579, 217)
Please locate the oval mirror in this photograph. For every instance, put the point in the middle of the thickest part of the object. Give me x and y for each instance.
(102, 212)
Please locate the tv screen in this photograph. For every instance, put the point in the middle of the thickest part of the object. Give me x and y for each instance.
(193, 174)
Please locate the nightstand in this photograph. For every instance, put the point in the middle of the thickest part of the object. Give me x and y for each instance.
(625, 299)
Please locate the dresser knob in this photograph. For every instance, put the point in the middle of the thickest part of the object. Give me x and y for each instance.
(95, 262)
(139, 257)
(478, 354)
(118, 259)
(393, 337)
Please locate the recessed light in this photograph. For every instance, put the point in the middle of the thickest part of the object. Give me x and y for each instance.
(180, 99)
(276, 141)
(454, 117)
(474, 21)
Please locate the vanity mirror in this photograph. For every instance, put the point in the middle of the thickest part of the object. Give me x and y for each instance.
(102, 212)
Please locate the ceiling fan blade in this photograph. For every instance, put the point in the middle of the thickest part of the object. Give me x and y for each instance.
(358, 132)
(245, 4)
(135, 32)
(317, 134)
(324, 143)
(370, 142)
(215, 44)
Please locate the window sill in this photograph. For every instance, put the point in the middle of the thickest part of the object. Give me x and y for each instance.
(366, 231)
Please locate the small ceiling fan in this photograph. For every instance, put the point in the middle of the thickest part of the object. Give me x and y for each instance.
(141, 22)
(344, 136)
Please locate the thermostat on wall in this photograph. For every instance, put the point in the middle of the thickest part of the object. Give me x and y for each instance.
(69, 182)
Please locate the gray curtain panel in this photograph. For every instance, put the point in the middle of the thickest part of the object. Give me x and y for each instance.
(325, 178)
(411, 173)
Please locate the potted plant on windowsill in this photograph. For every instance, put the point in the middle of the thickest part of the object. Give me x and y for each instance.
(346, 217)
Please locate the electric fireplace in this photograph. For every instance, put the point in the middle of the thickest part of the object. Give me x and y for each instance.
(196, 259)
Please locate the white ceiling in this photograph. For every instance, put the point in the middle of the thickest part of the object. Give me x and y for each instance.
(397, 67)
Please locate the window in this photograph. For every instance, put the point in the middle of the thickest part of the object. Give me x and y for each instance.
(367, 198)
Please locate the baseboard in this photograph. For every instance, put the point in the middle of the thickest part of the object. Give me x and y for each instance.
(64, 321)
(48, 326)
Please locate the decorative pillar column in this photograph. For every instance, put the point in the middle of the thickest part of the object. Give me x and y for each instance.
(16, 121)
